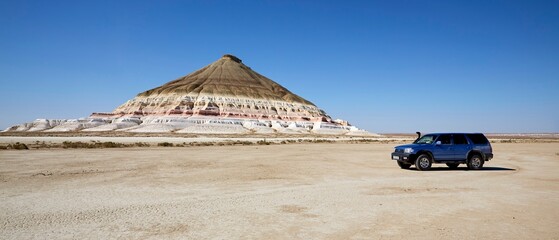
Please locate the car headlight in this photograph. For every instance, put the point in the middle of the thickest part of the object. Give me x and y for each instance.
(408, 150)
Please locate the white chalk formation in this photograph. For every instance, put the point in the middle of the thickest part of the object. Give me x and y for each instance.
(194, 125)
(225, 97)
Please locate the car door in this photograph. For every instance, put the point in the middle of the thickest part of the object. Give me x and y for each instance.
(443, 149)
(460, 147)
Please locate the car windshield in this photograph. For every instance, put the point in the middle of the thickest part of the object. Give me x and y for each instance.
(427, 139)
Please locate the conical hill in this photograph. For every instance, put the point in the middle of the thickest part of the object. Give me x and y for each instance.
(224, 97)
(227, 76)
(226, 88)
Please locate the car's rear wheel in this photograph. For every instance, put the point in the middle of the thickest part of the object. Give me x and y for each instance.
(403, 165)
(475, 162)
(453, 165)
(423, 162)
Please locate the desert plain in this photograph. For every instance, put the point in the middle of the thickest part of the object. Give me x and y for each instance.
(279, 191)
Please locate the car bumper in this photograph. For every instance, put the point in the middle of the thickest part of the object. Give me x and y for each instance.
(488, 156)
(403, 157)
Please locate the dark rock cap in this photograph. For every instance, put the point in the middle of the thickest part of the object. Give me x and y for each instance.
(231, 57)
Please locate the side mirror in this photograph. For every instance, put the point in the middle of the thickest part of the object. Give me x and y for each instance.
(438, 143)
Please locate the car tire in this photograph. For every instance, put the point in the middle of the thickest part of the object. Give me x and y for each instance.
(475, 162)
(423, 162)
(453, 165)
(403, 165)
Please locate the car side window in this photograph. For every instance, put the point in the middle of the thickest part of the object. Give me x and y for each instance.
(427, 139)
(478, 138)
(460, 139)
(445, 139)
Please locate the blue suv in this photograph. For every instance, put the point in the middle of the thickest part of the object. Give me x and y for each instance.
(473, 149)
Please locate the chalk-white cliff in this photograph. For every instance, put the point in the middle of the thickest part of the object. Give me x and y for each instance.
(225, 96)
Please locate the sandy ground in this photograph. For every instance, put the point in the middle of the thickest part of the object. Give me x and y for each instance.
(27, 140)
(296, 191)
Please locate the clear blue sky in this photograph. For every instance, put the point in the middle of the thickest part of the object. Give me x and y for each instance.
(386, 66)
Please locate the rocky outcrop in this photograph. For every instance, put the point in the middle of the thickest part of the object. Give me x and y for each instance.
(225, 97)
(225, 88)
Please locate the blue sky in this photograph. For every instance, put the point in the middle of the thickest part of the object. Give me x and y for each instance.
(386, 66)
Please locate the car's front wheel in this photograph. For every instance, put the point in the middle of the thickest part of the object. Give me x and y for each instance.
(403, 165)
(423, 162)
(453, 165)
(475, 162)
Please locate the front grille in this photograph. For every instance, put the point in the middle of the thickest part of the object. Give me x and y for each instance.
(399, 150)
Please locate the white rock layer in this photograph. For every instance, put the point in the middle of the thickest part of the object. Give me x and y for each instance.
(225, 97)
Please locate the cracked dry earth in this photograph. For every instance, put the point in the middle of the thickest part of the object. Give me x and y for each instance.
(298, 191)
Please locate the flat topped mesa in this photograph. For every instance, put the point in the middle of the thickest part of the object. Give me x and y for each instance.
(225, 88)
